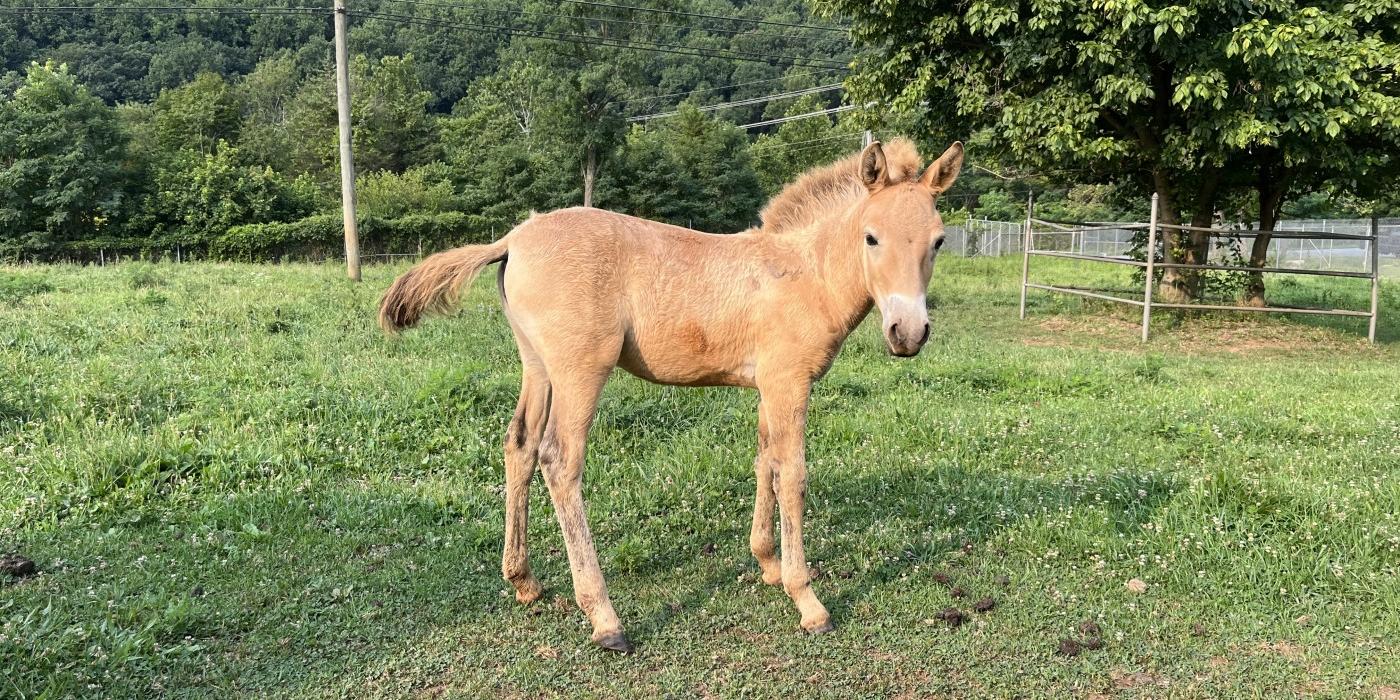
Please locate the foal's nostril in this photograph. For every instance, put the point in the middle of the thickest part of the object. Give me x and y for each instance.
(894, 331)
(924, 339)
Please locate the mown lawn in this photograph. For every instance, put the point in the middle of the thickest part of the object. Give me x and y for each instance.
(234, 485)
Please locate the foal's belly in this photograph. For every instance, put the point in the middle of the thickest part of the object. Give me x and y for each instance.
(686, 356)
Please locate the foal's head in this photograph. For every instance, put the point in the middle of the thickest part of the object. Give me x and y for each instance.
(901, 233)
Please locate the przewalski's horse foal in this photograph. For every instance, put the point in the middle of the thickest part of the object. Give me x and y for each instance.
(587, 290)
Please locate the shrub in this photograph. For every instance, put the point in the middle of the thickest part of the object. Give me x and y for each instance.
(321, 237)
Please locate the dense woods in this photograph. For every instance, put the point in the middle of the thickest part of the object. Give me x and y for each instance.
(151, 132)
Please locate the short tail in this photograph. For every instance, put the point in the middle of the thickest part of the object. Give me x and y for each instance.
(432, 286)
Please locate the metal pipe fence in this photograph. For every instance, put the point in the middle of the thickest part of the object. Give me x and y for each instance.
(1292, 247)
(1071, 241)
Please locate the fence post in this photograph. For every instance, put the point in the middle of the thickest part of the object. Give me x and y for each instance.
(1375, 277)
(1026, 252)
(1151, 271)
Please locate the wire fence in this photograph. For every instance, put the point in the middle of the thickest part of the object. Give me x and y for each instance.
(980, 237)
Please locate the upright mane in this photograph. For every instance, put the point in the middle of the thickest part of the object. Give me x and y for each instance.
(826, 189)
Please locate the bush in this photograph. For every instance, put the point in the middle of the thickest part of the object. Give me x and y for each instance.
(321, 237)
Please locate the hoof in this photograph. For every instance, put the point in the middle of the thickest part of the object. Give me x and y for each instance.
(820, 628)
(614, 641)
(528, 592)
(775, 580)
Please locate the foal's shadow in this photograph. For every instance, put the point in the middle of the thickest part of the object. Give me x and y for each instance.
(975, 504)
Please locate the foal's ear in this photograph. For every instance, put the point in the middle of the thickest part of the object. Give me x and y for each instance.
(942, 172)
(873, 171)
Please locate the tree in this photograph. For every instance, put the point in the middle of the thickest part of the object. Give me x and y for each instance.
(798, 145)
(61, 157)
(690, 170)
(200, 195)
(1189, 100)
(197, 116)
(391, 125)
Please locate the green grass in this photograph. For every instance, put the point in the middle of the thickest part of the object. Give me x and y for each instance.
(234, 485)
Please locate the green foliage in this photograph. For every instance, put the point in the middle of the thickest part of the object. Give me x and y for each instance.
(690, 170)
(1191, 101)
(322, 237)
(423, 190)
(199, 196)
(389, 119)
(197, 116)
(797, 146)
(61, 154)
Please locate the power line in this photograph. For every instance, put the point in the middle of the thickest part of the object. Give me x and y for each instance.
(679, 49)
(723, 87)
(765, 145)
(795, 117)
(725, 18)
(743, 102)
(73, 9)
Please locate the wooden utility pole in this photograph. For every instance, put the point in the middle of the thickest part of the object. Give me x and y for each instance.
(347, 161)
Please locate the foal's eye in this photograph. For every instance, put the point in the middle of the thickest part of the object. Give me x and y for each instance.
(938, 244)
(871, 240)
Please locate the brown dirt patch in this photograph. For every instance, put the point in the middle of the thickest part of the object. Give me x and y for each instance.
(1386, 692)
(1123, 680)
(1210, 335)
(1287, 650)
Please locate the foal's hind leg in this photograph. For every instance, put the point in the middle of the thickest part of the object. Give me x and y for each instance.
(522, 449)
(572, 405)
(764, 502)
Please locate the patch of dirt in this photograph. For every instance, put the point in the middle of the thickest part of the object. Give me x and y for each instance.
(1089, 628)
(17, 566)
(1094, 643)
(1221, 333)
(1069, 647)
(957, 592)
(1287, 650)
(1137, 585)
(943, 578)
(1218, 662)
(1198, 630)
(1126, 681)
(1386, 692)
(984, 605)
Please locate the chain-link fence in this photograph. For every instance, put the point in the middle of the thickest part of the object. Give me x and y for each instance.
(980, 237)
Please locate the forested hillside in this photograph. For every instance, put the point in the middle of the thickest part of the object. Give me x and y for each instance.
(146, 128)
(156, 129)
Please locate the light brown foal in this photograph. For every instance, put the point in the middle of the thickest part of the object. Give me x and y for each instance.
(587, 290)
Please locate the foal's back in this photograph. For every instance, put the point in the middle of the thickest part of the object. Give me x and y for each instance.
(666, 303)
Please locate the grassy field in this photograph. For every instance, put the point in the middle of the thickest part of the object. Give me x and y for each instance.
(234, 485)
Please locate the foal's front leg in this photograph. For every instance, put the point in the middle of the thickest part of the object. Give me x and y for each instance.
(764, 501)
(785, 408)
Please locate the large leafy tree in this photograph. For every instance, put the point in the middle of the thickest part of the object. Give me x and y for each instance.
(392, 128)
(197, 116)
(61, 155)
(1191, 100)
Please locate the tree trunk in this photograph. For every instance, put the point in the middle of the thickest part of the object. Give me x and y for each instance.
(1271, 190)
(1202, 216)
(590, 173)
(1175, 286)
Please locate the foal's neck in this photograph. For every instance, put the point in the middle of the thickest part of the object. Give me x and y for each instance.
(837, 254)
